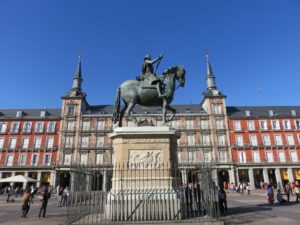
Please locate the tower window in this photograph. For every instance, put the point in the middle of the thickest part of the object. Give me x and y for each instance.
(71, 110)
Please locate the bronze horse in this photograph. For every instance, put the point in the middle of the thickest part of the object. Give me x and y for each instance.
(142, 93)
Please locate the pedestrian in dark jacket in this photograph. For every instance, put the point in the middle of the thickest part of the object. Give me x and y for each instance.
(26, 203)
(45, 196)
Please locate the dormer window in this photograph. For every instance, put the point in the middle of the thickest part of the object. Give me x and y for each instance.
(43, 113)
(101, 112)
(294, 113)
(271, 113)
(247, 113)
(19, 114)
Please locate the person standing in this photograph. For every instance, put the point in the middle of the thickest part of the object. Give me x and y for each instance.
(45, 196)
(222, 201)
(297, 192)
(26, 203)
(288, 191)
(270, 194)
(8, 192)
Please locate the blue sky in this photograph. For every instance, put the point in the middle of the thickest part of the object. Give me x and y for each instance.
(254, 48)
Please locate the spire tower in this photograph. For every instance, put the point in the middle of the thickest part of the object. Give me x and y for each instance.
(210, 78)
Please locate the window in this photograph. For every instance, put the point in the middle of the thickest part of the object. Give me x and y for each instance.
(204, 124)
(67, 159)
(190, 140)
(85, 142)
(3, 127)
(287, 124)
(251, 125)
(263, 125)
(86, 125)
(39, 127)
(175, 123)
(37, 142)
(281, 156)
(100, 141)
(130, 123)
(275, 125)
(71, 110)
(278, 139)
(9, 160)
(191, 156)
(219, 124)
(69, 142)
(19, 114)
(83, 159)
(43, 113)
(221, 140)
(1, 143)
(99, 159)
(12, 143)
(34, 159)
(293, 155)
(269, 157)
(242, 157)
(247, 113)
(70, 125)
(49, 142)
(266, 140)
(223, 156)
(217, 108)
(253, 140)
(271, 113)
(256, 157)
(27, 127)
(290, 139)
(51, 127)
(25, 143)
(237, 125)
(100, 125)
(207, 156)
(239, 140)
(47, 159)
(22, 160)
(190, 124)
(293, 112)
(297, 124)
(14, 127)
(206, 140)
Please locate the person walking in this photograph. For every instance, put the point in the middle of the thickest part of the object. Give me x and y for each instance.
(66, 194)
(26, 203)
(270, 194)
(45, 196)
(280, 199)
(288, 191)
(8, 192)
(297, 192)
(248, 188)
(222, 201)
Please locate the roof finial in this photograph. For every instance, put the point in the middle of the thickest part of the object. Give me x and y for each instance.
(210, 78)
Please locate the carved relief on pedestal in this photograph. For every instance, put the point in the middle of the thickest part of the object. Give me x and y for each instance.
(145, 159)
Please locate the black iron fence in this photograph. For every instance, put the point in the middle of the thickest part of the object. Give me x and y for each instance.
(117, 195)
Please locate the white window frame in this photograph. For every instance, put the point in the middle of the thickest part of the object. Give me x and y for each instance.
(242, 157)
(251, 125)
(68, 142)
(221, 140)
(290, 139)
(204, 124)
(9, 161)
(12, 144)
(267, 141)
(278, 139)
(237, 125)
(2, 142)
(261, 126)
(294, 159)
(190, 124)
(100, 141)
(83, 159)
(256, 156)
(49, 142)
(223, 156)
(27, 127)
(239, 140)
(37, 142)
(99, 159)
(100, 124)
(70, 125)
(281, 156)
(275, 125)
(253, 140)
(3, 128)
(39, 129)
(297, 124)
(37, 159)
(207, 156)
(15, 129)
(219, 124)
(51, 126)
(269, 159)
(175, 123)
(217, 109)
(191, 140)
(23, 162)
(85, 125)
(44, 161)
(205, 139)
(287, 124)
(191, 155)
(67, 159)
(85, 141)
(25, 144)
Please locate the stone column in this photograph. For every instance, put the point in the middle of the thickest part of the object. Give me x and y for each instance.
(278, 177)
(184, 176)
(39, 174)
(251, 178)
(25, 184)
(231, 176)
(104, 182)
(72, 174)
(0, 175)
(53, 179)
(290, 174)
(266, 176)
(13, 173)
(237, 176)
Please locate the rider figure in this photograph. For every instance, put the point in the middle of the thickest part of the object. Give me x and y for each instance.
(148, 72)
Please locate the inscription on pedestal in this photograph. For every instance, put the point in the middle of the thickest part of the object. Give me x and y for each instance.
(145, 159)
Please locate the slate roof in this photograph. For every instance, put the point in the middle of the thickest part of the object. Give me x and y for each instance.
(262, 111)
(181, 109)
(29, 113)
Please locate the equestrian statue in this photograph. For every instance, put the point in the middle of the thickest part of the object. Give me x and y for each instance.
(149, 90)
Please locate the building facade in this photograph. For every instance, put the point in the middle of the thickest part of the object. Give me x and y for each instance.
(251, 144)
(29, 143)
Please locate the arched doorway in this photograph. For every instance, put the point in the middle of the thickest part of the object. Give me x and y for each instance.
(192, 176)
(97, 180)
(65, 179)
(223, 178)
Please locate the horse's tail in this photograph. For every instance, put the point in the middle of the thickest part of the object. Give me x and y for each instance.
(116, 112)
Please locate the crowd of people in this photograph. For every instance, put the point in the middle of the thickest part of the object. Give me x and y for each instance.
(43, 194)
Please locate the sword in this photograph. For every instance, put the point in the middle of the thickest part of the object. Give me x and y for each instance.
(157, 64)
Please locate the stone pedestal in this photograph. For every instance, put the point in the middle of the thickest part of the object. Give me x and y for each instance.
(145, 175)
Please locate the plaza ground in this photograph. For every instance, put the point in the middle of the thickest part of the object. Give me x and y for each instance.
(243, 209)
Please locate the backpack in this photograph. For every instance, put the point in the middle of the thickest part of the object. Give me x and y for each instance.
(221, 195)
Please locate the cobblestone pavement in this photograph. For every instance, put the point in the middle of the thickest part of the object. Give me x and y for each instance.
(253, 209)
(10, 213)
(243, 209)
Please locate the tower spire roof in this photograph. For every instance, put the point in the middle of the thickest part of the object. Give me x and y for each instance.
(210, 78)
(77, 80)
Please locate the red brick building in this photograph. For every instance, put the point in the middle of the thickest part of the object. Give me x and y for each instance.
(265, 143)
(29, 143)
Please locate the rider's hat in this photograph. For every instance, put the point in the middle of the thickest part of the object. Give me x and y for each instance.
(147, 57)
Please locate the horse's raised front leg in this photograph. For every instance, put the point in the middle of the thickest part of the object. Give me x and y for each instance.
(173, 110)
(128, 112)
